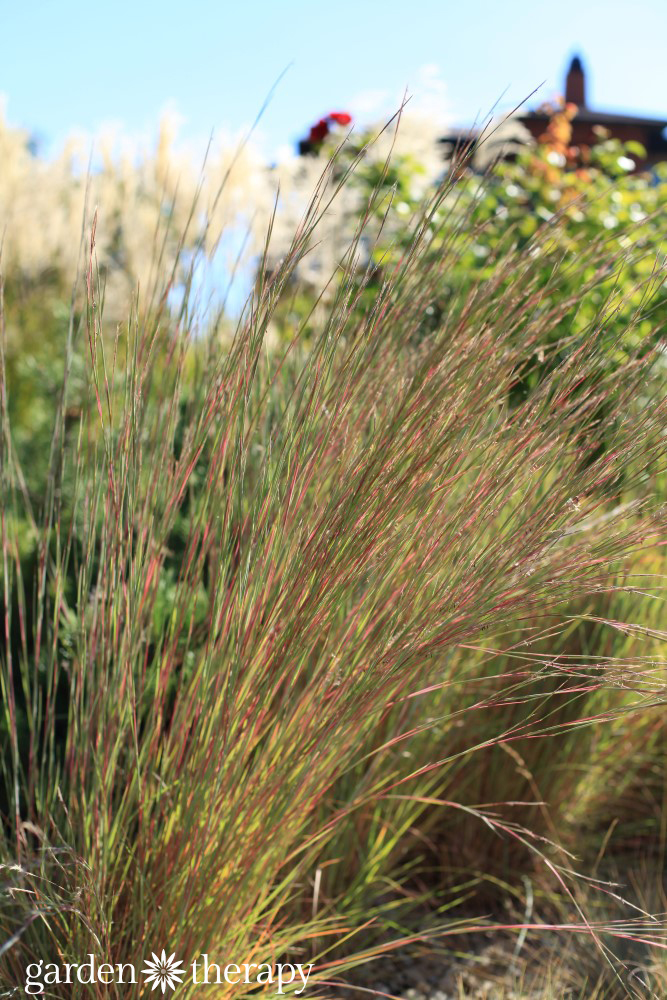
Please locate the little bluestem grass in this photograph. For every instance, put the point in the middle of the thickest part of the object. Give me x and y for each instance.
(261, 571)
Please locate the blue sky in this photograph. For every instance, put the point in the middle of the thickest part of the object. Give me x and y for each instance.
(71, 64)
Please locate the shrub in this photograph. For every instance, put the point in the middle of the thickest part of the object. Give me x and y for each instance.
(583, 211)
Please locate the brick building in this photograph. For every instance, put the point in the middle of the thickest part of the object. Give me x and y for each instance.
(505, 140)
(647, 131)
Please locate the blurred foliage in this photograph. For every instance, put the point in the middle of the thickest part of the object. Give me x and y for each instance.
(568, 203)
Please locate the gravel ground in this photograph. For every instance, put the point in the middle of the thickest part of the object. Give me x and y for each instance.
(493, 973)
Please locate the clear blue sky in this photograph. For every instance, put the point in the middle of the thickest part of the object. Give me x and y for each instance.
(69, 64)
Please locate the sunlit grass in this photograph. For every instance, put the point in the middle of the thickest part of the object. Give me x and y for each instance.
(301, 623)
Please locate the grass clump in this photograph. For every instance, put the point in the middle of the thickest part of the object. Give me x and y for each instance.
(247, 677)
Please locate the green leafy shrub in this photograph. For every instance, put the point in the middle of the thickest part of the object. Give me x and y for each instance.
(584, 212)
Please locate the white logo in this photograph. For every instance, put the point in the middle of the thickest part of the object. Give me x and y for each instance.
(163, 971)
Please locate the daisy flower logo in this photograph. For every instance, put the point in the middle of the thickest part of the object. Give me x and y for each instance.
(163, 971)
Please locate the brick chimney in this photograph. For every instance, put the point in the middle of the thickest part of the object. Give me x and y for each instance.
(575, 84)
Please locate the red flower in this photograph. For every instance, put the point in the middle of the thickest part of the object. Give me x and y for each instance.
(340, 118)
(319, 132)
